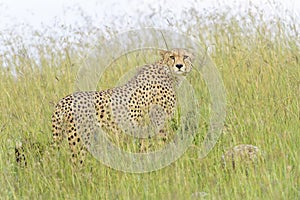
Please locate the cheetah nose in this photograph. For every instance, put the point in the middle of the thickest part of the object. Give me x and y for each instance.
(179, 66)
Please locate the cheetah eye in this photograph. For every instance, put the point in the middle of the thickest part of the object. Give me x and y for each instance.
(185, 57)
(172, 57)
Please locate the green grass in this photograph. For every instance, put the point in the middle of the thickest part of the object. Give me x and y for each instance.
(262, 80)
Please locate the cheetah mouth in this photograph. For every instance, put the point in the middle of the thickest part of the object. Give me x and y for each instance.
(179, 72)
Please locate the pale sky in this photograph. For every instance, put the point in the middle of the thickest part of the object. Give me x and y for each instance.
(37, 12)
(21, 18)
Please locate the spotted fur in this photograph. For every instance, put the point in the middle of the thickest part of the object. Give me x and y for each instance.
(148, 98)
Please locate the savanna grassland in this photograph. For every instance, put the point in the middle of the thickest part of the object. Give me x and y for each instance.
(260, 67)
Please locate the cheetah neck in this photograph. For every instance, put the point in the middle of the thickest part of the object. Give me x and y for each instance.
(176, 78)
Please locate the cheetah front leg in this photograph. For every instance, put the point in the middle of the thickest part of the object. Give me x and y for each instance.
(156, 126)
(157, 117)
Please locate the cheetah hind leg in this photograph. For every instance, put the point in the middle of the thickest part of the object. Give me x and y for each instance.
(78, 144)
(81, 142)
(58, 121)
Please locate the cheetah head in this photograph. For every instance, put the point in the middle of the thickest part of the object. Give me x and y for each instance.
(178, 60)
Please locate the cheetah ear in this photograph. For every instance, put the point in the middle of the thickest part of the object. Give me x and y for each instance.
(162, 53)
(192, 55)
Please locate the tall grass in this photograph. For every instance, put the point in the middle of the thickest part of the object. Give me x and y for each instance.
(261, 72)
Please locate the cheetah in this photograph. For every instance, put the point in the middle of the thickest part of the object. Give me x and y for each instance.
(146, 100)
